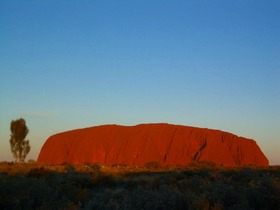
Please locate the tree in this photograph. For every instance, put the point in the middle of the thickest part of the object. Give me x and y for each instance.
(19, 146)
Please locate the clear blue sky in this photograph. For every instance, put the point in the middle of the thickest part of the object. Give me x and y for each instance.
(72, 64)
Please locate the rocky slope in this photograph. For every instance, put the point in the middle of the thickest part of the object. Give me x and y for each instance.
(137, 145)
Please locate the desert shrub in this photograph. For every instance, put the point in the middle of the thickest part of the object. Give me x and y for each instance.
(202, 202)
(153, 165)
(142, 197)
(245, 175)
(103, 180)
(95, 167)
(201, 165)
(91, 167)
(69, 168)
(262, 193)
(119, 165)
(222, 193)
(38, 172)
(147, 197)
(31, 161)
(41, 188)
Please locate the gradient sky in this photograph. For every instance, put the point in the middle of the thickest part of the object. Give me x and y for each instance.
(72, 64)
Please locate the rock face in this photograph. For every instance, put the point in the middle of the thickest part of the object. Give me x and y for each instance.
(137, 145)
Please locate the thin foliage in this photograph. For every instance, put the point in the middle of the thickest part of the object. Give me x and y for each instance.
(19, 146)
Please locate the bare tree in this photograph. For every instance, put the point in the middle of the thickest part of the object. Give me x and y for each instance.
(19, 146)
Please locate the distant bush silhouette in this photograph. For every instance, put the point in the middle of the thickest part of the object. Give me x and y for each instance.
(95, 167)
(153, 165)
(31, 161)
(202, 165)
(69, 168)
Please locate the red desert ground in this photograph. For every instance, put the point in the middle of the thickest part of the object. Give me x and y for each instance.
(136, 145)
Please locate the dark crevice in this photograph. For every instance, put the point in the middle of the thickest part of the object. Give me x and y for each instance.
(198, 153)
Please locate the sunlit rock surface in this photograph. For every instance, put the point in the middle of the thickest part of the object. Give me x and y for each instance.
(137, 145)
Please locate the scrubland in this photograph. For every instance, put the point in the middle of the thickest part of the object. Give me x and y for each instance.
(200, 185)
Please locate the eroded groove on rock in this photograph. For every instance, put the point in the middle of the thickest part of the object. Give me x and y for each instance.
(198, 154)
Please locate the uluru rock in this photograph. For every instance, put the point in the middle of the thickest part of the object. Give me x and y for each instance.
(137, 145)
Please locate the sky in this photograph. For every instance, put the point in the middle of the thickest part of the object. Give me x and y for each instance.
(74, 64)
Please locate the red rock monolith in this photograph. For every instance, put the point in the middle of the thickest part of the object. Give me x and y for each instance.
(136, 145)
